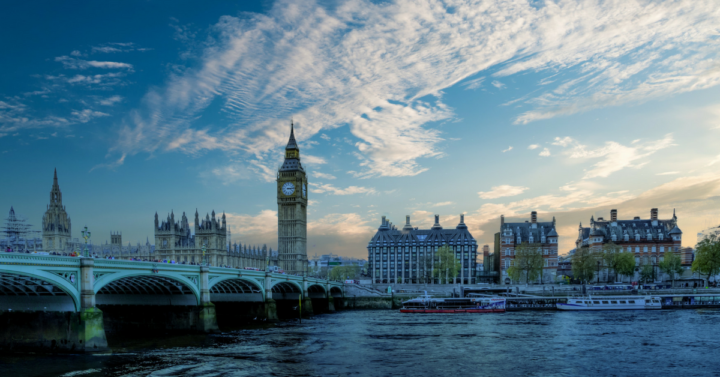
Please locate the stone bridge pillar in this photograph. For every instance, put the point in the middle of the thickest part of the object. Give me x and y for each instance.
(207, 320)
(330, 299)
(307, 308)
(270, 305)
(90, 329)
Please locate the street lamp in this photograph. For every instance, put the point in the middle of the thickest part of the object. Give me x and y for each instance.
(86, 236)
(598, 274)
(203, 255)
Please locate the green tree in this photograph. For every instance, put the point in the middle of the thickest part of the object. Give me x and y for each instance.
(446, 265)
(529, 260)
(671, 265)
(425, 264)
(707, 257)
(514, 273)
(646, 272)
(612, 256)
(342, 273)
(584, 264)
(626, 264)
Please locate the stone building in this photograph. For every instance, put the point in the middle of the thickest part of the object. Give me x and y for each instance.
(292, 199)
(648, 239)
(56, 226)
(542, 234)
(408, 255)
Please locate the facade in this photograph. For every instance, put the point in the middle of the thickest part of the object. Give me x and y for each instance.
(292, 199)
(320, 266)
(56, 226)
(408, 255)
(648, 239)
(542, 234)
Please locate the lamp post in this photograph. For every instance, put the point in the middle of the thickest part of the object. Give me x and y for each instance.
(86, 236)
(204, 259)
(598, 274)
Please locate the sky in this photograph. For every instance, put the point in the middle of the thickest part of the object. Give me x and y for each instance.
(482, 108)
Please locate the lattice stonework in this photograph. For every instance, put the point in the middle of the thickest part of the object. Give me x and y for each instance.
(194, 279)
(71, 277)
(98, 275)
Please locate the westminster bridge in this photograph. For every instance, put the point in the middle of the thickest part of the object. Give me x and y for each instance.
(67, 303)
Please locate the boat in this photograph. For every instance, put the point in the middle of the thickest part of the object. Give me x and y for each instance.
(429, 304)
(611, 303)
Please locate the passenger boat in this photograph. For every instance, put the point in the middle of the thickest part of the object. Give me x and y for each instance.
(611, 303)
(428, 304)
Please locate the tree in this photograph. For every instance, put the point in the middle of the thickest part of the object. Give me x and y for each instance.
(646, 272)
(514, 273)
(707, 257)
(612, 256)
(529, 260)
(626, 264)
(584, 263)
(671, 265)
(425, 268)
(342, 273)
(445, 263)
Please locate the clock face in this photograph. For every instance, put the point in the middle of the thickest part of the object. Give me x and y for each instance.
(304, 191)
(288, 188)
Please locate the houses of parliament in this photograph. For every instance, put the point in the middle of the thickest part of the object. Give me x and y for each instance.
(207, 241)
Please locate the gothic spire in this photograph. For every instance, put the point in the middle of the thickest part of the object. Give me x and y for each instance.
(292, 144)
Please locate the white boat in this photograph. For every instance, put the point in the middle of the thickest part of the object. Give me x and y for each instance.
(611, 303)
(428, 304)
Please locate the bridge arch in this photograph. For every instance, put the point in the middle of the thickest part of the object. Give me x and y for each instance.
(316, 291)
(286, 290)
(146, 288)
(236, 289)
(39, 290)
(336, 292)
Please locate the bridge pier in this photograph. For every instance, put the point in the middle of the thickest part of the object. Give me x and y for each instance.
(307, 307)
(271, 314)
(330, 300)
(207, 318)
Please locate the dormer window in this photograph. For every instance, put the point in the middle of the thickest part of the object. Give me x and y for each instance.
(637, 236)
(626, 237)
(649, 236)
(613, 237)
(542, 239)
(660, 236)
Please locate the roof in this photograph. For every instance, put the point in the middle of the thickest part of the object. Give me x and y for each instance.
(525, 230)
(641, 227)
(389, 234)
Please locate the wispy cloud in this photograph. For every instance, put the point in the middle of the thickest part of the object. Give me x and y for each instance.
(533, 146)
(508, 149)
(442, 204)
(337, 66)
(321, 175)
(669, 173)
(320, 188)
(110, 101)
(498, 84)
(474, 84)
(502, 191)
(545, 152)
(72, 63)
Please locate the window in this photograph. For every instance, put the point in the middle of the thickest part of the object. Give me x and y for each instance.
(631, 301)
(596, 302)
(623, 302)
(662, 249)
(604, 302)
(613, 302)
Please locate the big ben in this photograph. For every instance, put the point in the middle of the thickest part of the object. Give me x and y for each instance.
(292, 211)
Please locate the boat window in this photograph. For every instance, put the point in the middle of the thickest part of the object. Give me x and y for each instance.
(588, 302)
(605, 302)
(613, 302)
(647, 301)
(623, 302)
(656, 301)
(596, 302)
(631, 301)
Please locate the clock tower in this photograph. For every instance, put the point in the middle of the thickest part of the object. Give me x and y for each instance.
(292, 211)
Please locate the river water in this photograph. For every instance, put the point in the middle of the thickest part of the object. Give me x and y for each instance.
(388, 343)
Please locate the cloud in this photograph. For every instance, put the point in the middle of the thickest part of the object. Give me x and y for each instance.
(313, 160)
(110, 101)
(533, 146)
(545, 152)
(563, 142)
(320, 175)
(15, 115)
(111, 165)
(474, 84)
(324, 137)
(87, 115)
(102, 80)
(320, 188)
(508, 149)
(502, 191)
(379, 68)
(498, 84)
(72, 63)
(615, 156)
(669, 173)
(443, 204)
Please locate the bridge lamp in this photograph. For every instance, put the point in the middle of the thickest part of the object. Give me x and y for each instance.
(86, 236)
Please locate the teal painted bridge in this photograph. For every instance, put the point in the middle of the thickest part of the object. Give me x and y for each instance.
(70, 284)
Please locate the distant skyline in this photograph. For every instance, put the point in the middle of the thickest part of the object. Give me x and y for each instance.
(401, 108)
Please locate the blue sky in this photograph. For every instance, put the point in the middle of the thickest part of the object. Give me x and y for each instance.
(569, 108)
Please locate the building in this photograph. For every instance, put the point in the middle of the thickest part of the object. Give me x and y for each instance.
(56, 226)
(648, 239)
(408, 255)
(541, 234)
(18, 235)
(292, 211)
(488, 271)
(320, 266)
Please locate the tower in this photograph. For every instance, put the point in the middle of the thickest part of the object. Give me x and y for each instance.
(56, 223)
(292, 210)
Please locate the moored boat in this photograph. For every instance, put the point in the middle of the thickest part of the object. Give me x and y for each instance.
(611, 303)
(428, 304)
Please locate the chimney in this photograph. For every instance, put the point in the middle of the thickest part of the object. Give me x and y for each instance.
(407, 219)
(533, 216)
(383, 220)
(437, 219)
(613, 215)
(654, 214)
(462, 219)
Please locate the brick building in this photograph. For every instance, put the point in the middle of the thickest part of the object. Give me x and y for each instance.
(531, 232)
(648, 239)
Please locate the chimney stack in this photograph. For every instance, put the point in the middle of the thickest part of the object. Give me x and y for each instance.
(407, 219)
(383, 220)
(654, 214)
(462, 219)
(437, 219)
(613, 215)
(533, 216)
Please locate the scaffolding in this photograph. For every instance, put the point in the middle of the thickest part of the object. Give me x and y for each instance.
(18, 234)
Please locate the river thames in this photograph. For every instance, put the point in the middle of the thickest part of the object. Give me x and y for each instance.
(388, 343)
